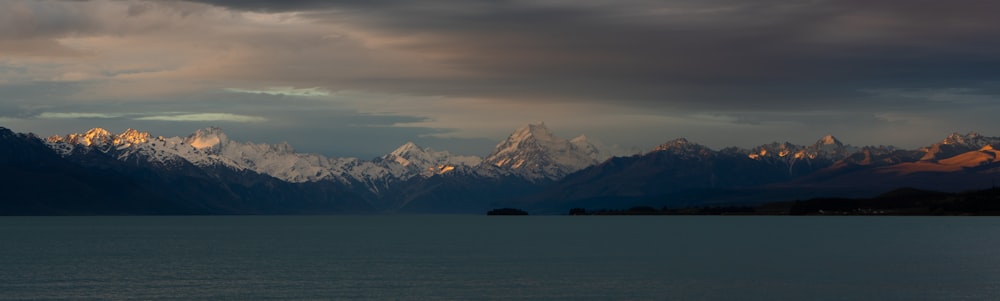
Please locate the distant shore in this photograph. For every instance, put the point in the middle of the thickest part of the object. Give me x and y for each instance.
(900, 202)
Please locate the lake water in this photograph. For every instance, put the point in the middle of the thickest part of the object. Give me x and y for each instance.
(499, 258)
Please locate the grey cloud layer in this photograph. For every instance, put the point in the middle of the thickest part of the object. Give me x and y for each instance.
(700, 54)
(463, 73)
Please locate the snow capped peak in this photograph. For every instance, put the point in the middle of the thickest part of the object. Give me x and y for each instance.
(131, 137)
(956, 138)
(683, 147)
(102, 137)
(534, 152)
(405, 149)
(426, 161)
(97, 132)
(212, 137)
(953, 138)
(828, 148)
(530, 138)
(94, 136)
(784, 150)
(957, 143)
(404, 153)
(531, 131)
(829, 140)
(672, 144)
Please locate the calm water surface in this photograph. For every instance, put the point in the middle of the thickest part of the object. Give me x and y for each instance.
(499, 258)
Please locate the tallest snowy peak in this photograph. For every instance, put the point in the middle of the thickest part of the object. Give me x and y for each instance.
(534, 152)
(537, 131)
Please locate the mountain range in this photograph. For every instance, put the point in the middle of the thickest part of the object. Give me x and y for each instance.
(133, 172)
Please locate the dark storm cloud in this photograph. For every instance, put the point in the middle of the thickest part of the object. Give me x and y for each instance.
(697, 54)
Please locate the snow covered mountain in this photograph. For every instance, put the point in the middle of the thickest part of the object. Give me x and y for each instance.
(426, 162)
(681, 147)
(682, 173)
(211, 147)
(799, 159)
(535, 153)
(111, 174)
(956, 144)
(826, 148)
(207, 172)
(410, 178)
(277, 160)
(531, 152)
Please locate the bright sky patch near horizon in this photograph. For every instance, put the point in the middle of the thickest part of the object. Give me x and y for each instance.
(358, 78)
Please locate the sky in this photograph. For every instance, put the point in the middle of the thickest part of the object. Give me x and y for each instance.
(361, 77)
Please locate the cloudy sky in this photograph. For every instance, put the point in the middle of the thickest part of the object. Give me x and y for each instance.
(360, 77)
